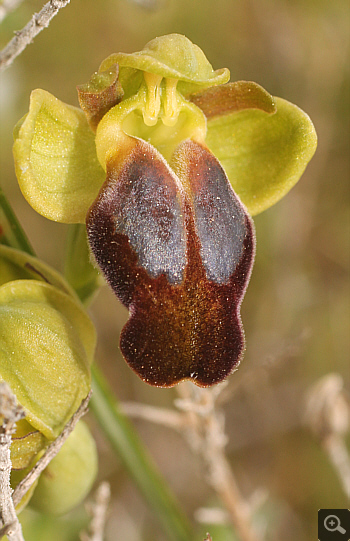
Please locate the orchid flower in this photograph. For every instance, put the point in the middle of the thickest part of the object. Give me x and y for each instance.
(165, 163)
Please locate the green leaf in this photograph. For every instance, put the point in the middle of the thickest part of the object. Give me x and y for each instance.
(55, 159)
(264, 155)
(78, 269)
(47, 345)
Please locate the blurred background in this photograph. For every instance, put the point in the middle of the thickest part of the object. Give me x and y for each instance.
(296, 309)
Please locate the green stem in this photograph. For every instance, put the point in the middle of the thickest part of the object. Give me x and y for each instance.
(11, 232)
(127, 444)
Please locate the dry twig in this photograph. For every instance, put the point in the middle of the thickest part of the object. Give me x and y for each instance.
(10, 413)
(52, 450)
(207, 438)
(98, 511)
(203, 425)
(23, 37)
(328, 416)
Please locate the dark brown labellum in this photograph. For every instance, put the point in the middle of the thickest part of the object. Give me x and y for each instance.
(177, 247)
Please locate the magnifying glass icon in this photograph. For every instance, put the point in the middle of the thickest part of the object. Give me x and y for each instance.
(332, 524)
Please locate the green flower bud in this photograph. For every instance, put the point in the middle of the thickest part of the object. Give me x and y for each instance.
(47, 344)
(69, 477)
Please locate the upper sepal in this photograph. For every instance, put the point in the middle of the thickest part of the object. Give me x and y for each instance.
(55, 159)
(173, 56)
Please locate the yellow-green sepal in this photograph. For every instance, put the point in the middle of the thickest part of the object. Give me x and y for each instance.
(264, 155)
(69, 477)
(173, 56)
(47, 346)
(55, 159)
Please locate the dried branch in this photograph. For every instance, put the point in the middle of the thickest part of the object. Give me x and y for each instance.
(52, 450)
(203, 426)
(7, 6)
(23, 37)
(98, 511)
(207, 438)
(10, 413)
(154, 414)
(328, 416)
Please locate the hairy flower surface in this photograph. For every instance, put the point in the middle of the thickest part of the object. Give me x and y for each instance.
(165, 165)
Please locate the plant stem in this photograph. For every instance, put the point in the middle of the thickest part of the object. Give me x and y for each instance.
(126, 443)
(23, 37)
(11, 232)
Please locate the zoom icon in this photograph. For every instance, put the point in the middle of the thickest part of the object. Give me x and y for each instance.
(333, 524)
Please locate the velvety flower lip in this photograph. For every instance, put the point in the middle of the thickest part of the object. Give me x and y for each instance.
(183, 302)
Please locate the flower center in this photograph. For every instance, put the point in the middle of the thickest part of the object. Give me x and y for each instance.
(158, 113)
(162, 100)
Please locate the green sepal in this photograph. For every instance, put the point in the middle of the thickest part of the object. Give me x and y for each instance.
(68, 478)
(55, 159)
(173, 56)
(79, 271)
(47, 345)
(264, 155)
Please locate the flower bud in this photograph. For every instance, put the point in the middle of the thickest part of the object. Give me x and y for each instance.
(69, 476)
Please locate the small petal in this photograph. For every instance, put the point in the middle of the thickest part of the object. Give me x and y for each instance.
(100, 94)
(226, 99)
(154, 237)
(55, 158)
(264, 155)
